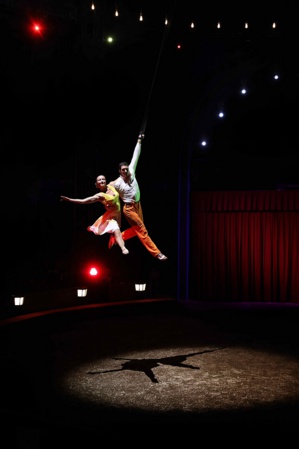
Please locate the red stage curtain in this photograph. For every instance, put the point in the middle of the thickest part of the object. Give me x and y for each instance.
(244, 246)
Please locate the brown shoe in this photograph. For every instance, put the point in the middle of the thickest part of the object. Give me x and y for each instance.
(161, 256)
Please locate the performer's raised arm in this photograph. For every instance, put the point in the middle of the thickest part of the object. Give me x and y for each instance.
(127, 187)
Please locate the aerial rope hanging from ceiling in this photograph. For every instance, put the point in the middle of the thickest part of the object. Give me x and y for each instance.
(165, 35)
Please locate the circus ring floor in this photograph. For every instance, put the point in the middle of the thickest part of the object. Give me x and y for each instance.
(81, 374)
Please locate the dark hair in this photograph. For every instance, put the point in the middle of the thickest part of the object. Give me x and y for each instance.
(121, 164)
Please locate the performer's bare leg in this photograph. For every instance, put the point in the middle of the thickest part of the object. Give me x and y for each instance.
(120, 241)
(126, 234)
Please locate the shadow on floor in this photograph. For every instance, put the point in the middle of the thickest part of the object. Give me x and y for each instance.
(156, 366)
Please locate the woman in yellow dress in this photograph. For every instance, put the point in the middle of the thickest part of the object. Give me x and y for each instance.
(110, 221)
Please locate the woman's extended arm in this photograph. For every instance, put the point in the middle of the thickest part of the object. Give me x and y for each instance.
(88, 200)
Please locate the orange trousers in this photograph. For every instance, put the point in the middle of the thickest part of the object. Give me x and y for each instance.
(134, 216)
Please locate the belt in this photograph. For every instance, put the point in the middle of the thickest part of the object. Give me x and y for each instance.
(132, 202)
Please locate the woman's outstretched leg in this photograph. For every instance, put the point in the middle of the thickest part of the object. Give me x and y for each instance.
(120, 241)
(126, 234)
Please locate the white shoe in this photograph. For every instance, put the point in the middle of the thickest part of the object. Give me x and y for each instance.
(161, 256)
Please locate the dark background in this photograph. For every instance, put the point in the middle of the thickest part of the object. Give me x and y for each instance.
(72, 107)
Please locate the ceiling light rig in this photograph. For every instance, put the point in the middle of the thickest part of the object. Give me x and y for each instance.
(218, 25)
(195, 25)
(37, 28)
(221, 114)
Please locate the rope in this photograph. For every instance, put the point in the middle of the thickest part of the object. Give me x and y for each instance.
(165, 35)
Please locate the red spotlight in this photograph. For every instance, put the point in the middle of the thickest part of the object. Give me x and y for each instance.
(93, 271)
(37, 28)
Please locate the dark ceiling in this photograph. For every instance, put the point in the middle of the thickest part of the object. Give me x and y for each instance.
(67, 92)
(72, 105)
